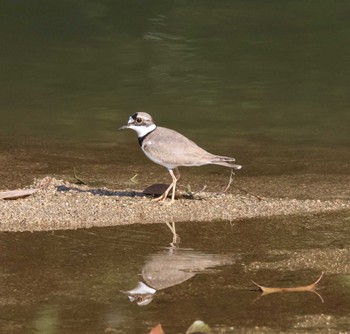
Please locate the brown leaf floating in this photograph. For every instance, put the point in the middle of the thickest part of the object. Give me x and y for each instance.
(310, 288)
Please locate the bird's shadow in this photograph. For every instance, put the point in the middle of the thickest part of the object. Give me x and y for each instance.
(107, 192)
(101, 192)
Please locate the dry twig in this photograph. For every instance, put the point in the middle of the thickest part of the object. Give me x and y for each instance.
(78, 180)
(229, 181)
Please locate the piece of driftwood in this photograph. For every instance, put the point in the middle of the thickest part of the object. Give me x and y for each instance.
(15, 194)
(22, 193)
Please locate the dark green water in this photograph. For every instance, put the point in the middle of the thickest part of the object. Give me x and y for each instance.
(265, 82)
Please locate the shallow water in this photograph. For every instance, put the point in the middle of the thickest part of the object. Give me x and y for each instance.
(71, 281)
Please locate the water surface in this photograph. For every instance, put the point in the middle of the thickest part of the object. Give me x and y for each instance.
(266, 83)
(72, 281)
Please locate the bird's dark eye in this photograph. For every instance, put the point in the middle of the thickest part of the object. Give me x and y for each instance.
(138, 120)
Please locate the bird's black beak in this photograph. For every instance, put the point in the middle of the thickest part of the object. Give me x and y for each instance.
(123, 127)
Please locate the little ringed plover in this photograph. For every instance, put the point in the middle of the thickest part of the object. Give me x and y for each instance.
(171, 149)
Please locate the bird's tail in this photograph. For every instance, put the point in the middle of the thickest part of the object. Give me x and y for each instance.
(225, 161)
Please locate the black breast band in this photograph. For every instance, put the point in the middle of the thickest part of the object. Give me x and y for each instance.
(141, 139)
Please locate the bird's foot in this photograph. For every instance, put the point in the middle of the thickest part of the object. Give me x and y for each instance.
(158, 199)
(172, 201)
(162, 198)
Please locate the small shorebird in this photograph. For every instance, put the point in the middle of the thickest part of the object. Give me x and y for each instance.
(171, 149)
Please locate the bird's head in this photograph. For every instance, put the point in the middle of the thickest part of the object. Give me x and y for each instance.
(141, 122)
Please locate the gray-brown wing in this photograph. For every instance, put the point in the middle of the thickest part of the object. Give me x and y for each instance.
(173, 148)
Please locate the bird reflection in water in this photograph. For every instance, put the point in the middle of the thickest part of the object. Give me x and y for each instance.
(172, 266)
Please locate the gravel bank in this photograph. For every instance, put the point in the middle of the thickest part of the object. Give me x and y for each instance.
(62, 205)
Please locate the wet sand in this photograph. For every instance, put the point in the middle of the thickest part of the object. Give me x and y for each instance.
(63, 205)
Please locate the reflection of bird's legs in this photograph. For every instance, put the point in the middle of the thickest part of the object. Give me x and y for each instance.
(176, 238)
(173, 185)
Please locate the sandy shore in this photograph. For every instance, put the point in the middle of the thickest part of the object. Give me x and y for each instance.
(63, 205)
